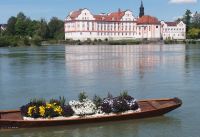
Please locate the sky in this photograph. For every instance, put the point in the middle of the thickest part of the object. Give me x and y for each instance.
(167, 10)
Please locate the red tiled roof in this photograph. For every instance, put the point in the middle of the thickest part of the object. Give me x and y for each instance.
(75, 14)
(146, 19)
(171, 23)
(100, 17)
(114, 16)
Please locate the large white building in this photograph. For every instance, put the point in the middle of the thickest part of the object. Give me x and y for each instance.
(82, 24)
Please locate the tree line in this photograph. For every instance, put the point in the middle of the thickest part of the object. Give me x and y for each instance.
(21, 30)
(192, 22)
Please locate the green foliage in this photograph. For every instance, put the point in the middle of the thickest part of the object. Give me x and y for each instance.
(109, 95)
(124, 93)
(97, 100)
(31, 32)
(62, 100)
(187, 18)
(193, 33)
(36, 40)
(82, 96)
(10, 30)
(38, 102)
(192, 24)
(56, 28)
(4, 42)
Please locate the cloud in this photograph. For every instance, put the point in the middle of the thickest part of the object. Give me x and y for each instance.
(182, 1)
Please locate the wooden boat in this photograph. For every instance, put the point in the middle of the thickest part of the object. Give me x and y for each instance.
(149, 108)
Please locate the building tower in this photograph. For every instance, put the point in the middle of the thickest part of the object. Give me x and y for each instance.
(141, 10)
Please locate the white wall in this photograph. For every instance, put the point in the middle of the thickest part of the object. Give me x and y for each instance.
(174, 32)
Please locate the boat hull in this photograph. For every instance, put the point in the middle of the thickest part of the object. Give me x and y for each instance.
(149, 108)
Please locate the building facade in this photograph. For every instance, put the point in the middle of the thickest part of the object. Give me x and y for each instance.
(83, 25)
(173, 30)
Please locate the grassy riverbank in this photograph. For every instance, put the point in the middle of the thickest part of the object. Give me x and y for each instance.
(187, 41)
(15, 41)
(93, 42)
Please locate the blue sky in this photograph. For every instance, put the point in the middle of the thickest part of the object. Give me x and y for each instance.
(36, 9)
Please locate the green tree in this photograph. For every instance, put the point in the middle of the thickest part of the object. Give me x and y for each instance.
(187, 19)
(43, 30)
(196, 20)
(20, 27)
(10, 30)
(56, 28)
(193, 33)
(21, 16)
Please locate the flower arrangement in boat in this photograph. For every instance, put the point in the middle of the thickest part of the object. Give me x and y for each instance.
(39, 108)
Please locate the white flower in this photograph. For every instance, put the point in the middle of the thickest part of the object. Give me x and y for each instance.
(86, 107)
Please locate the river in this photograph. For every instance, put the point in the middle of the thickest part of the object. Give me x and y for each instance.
(146, 71)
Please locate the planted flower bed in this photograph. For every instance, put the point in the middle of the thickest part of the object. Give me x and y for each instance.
(58, 108)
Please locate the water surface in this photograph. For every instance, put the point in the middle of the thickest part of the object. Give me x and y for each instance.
(146, 71)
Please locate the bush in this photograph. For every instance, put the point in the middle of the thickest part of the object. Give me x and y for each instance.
(82, 96)
(106, 107)
(119, 105)
(67, 111)
(37, 40)
(4, 42)
(55, 102)
(97, 101)
(122, 103)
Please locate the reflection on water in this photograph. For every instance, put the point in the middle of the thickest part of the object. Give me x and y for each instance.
(146, 71)
(84, 60)
(111, 129)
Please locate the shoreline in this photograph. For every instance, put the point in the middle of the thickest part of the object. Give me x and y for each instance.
(107, 42)
(119, 42)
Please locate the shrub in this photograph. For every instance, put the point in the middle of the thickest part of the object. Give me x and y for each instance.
(24, 109)
(109, 95)
(67, 111)
(124, 95)
(50, 112)
(106, 107)
(62, 100)
(55, 102)
(119, 105)
(134, 106)
(97, 101)
(37, 40)
(82, 96)
(38, 102)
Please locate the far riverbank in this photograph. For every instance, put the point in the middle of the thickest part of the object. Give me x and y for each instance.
(119, 42)
(17, 41)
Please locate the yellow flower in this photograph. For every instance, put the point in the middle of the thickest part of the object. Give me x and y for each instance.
(58, 109)
(42, 110)
(30, 110)
(48, 105)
